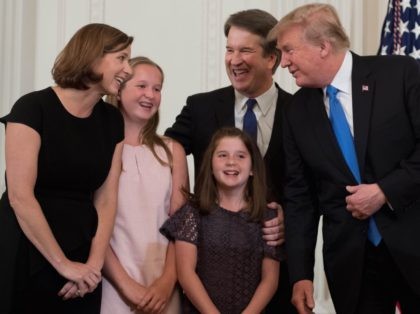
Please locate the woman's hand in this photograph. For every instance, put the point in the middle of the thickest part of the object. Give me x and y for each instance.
(83, 279)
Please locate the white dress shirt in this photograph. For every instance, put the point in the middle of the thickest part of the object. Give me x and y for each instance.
(342, 81)
(264, 111)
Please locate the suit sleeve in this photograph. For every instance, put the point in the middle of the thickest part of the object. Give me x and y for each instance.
(301, 210)
(183, 128)
(401, 185)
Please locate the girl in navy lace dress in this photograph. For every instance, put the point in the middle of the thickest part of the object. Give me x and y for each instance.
(223, 264)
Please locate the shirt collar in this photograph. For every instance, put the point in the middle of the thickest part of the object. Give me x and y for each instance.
(264, 101)
(342, 79)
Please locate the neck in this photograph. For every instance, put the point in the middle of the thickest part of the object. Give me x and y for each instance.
(232, 200)
(132, 132)
(335, 63)
(79, 103)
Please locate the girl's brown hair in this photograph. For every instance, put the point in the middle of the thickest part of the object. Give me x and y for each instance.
(73, 67)
(205, 195)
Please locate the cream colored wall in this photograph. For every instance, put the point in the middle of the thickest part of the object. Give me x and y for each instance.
(184, 36)
(374, 13)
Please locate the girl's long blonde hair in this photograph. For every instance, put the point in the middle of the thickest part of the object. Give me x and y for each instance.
(148, 135)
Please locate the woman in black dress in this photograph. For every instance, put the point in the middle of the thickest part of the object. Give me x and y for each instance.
(63, 155)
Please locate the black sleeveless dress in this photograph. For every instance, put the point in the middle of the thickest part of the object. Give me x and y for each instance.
(74, 160)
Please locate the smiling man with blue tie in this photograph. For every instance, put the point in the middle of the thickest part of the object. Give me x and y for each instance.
(352, 149)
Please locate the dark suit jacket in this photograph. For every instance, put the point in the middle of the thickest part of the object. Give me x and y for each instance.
(386, 116)
(207, 112)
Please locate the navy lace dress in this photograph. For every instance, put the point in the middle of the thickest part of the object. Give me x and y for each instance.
(230, 250)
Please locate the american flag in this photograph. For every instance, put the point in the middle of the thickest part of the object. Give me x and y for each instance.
(401, 29)
(401, 36)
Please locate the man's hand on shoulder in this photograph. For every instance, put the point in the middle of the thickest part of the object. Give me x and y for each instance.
(273, 230)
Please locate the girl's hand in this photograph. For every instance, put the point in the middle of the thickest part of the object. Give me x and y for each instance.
(157, 296)
(133, 292)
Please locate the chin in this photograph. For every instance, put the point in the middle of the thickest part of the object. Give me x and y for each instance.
(240, 88)
(112, 92)
(301, 83)
(239, 85)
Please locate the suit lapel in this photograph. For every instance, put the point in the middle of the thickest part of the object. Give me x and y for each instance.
(225, 108)
(362, 93)
(323, 131)
(275, 139)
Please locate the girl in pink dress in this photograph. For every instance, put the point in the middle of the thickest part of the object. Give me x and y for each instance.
(140, 263)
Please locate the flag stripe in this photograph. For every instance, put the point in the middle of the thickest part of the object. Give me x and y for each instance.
(401, 29)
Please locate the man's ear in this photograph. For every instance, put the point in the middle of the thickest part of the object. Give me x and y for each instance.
(325, 48)
(274, 58)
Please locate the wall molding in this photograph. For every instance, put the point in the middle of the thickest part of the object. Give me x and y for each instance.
(211, 45)
(61, 24)
(96, 11)
(10, 65)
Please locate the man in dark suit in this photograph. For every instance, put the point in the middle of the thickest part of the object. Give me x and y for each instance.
(250, 64)
(352, 151)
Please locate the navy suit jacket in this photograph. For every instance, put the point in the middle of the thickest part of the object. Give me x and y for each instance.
(205, 113)
(386, 117)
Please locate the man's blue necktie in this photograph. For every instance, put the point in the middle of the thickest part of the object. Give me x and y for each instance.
(250, 120)
(345, 141)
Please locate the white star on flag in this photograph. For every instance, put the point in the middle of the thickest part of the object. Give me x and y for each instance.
(401, 29)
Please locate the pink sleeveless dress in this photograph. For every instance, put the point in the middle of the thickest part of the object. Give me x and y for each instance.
(145, 188)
